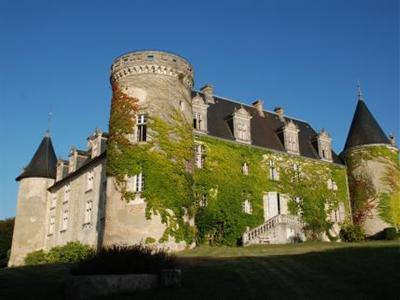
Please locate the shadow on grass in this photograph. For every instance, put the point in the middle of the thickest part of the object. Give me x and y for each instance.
(345, 273)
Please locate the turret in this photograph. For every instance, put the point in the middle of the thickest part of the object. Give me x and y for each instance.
(373, 172)
(30, 221)
(158, 85)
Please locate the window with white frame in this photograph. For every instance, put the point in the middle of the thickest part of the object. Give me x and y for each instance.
(242, 132)
(141, 132)
(331, 185)
(246, 207)
(203, 200)
(64, 221)
(53, 201)
(197, 121)
(199, 156)
(67, 192)
(88, 211)
(89, 180)
(52, 222)
(137, 183)
(342, 212)
(273, 172)
(297, 172)
(245, 169)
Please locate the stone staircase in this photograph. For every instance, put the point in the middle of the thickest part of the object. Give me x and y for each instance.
(280, 229)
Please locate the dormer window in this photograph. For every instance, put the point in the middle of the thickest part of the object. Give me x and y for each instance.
(290, 133)
(141, 124)
(245, 169)
(199, 108)
(241, 125)
(323, 144)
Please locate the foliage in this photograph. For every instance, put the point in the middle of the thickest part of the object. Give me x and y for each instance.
(223, 221)
(126, 260)
(169, 148)
(6, 233)
(69, 253)
(390, 233)
(364, 196)
(352, 233)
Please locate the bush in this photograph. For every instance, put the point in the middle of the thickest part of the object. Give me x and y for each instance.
(36, 258)
(69, 253)
(126, 260)
(390, 233)
(351, 233)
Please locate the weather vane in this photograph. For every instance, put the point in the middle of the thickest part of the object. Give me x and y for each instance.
(360, 95)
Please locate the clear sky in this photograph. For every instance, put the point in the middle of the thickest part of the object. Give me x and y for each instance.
(303, 55)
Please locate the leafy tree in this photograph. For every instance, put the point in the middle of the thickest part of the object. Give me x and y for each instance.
(6, 233)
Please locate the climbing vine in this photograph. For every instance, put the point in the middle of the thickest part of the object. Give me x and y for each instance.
(165, 160)
(365, 197)
(223, 221)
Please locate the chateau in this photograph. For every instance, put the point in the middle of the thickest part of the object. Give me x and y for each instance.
(180, 166)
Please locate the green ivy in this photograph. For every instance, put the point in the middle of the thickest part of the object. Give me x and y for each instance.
(363, 192)
(222, 221)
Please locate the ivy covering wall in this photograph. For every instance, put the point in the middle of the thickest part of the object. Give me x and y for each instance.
(165, 160)
(223, 221)
(364, 194)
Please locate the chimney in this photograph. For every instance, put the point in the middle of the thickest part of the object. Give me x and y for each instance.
(208, 91)
(280, 112)
(392, 140)
(258, 104)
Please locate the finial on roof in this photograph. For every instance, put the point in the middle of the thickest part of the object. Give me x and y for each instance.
(360, 95)
(50, 114)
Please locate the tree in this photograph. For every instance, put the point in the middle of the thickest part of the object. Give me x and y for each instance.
(6, 233)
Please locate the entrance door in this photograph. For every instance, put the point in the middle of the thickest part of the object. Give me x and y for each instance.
(274, 204)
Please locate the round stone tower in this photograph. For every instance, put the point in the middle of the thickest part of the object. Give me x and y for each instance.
(373, 171)
(162, 83)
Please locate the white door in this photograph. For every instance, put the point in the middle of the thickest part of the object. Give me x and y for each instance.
(271, 205)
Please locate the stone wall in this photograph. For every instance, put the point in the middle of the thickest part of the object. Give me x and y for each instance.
(30, 221)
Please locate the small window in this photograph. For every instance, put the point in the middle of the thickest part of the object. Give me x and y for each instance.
(297, 172)
(246, 207)
(64, 223)
(199, 156)
(181, 105)
(245, 169)
(150, 57)
(52, 222)
(197, 121)
(88, 212)
(203, 200)
(141, 128)
(136, 183)
(273, 172)
(89, 180)
(67, 192)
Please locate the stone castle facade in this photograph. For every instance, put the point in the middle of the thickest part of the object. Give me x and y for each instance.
(254, 165)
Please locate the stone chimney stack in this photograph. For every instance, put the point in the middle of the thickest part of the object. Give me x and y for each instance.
(208, 91)
(280, 112)
(258, 104)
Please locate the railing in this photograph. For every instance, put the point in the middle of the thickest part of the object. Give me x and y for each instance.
(270, 223)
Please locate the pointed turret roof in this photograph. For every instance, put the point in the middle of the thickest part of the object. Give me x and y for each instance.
(364, 128)
(43, 163)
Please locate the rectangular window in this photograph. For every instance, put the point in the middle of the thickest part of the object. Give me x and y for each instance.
(203, 200)
(197, 121)
(64, 221)
(141, 128)
(67, 192)
(53, 202)
(88, 211)
(89, 180)
(199, 156)
(138, 183)
(246, 206)
(245, 169)
(52, 224)
(273, 172)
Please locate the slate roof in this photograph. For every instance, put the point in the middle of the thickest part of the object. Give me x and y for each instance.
(43, 163)
(364, 129)
(264, 130)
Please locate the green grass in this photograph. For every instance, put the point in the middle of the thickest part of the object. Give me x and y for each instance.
(368, 270)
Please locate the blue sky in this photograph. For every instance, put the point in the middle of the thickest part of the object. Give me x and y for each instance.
(303, 55)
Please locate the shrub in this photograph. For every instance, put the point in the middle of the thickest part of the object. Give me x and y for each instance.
(126, 260)
(390, 233)
(352, 233)
(36, 258)
(69, 253)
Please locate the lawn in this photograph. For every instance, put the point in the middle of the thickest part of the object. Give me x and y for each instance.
(368, 270)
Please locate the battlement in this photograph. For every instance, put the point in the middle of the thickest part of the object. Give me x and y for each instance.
(152, 62)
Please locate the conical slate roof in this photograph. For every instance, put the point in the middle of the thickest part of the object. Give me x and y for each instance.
(43, 163)
(364, 129)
